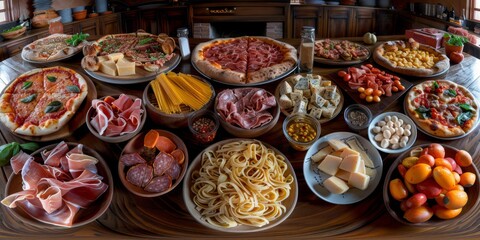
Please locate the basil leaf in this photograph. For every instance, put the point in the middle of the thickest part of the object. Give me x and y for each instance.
(423, 112)
(51, 78)
(435, 85)
(466, 107)
(29, 98)
(26, 84)
(15, 148)
(153, 58)
(73, 88)
(463, 117)
(6, 152)
(145, 41)
(450, 92)
(31, 146)
(53, 107)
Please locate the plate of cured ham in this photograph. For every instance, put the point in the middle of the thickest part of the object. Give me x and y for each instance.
(340, 52)
(116, 118)
(62, 185)
(153, 163)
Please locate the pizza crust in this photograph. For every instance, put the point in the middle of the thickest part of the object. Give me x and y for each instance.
(61, 50)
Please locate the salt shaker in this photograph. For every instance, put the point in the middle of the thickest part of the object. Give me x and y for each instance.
(307, 46)
(182, 34)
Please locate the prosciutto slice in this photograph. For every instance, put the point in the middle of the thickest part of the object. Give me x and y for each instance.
(120, 117)
(52, 195)
(247, 108)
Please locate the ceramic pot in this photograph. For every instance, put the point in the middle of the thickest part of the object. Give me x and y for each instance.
(451, 48)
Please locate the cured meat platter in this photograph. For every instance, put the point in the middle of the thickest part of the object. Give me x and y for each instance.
(340, 53)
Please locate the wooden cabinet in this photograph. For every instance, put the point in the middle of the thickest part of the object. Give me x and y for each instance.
(110, 24)
(90, 26)
(307, 16)
(386, 23)
(338, 22)
(364, 21)
(16, 46)
(156, 20)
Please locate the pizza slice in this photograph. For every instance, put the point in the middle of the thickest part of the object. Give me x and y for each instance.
(27, 82)
(268, 59)
(16, 107)
(223, 59)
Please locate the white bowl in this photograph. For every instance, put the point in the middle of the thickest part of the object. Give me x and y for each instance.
(411, 140)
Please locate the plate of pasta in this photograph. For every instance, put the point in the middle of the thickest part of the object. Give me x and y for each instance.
(227, 187)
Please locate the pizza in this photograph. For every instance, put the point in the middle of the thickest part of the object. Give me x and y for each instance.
(146, 50)
(442, 108)
(244, 60)
(51, 48)
(411, 58)
(340, 50)
(41, 101)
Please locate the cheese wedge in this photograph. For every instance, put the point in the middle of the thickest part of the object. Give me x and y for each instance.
(115, 56)
(335, 185)
(348, 151)
(342, 174)
(125, 67)
(103, 58)
(320, 155)
(330, 164)
(108, 67)
(359, 180)
(336, 144)
(351, 163)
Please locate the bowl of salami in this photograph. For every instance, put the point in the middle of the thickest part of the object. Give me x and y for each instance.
(116, 119)
(247, 112)
(153, 163)
(77, 194)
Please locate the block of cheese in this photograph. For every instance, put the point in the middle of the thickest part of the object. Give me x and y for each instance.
(300, 107)
(362, 169)
(348, 151)
(342, 174)
(320, 155)
(125, 67)
(330, 164)
(108, 67)
(103, 58)
(351, 163)
(285, 102)
(296, 97)
(115, 56)
(336, 144)
(359, 180)
(335, 185)
(285, 88)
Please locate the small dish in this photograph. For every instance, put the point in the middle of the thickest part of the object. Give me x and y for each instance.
(120, 138)
(373, 163)
(136, 144)
(357, 117)
(253, 132)
(15, 33)
(393, 206)
(80, 15)
(204, 126)
(412, 132)
(290, 127)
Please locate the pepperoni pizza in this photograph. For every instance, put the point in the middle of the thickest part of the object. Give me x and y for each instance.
(244, 59)
(41, 101)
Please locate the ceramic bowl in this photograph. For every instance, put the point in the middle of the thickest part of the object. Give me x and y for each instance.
(136, 145)
(382, 117)
(170, 120)
(301, 118)
(84, 215)
(249, 133)
(115, 139)
(14, 34)
(355, 110)
(80, 15)
(393, 206)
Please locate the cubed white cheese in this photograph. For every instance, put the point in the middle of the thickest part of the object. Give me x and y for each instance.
(330, 92)
(300, 107)
(296, 97)
(285, 102)
(348, 151)
(330, 164)
(115, 56)
(342, 174)
(320, 155)
(108, 67)
(325, 83)
(362, 168)
(125, 67)
(351, 163)
(335, 185)
(336, 144)
(285, 88)
(318, 100)
(302, 84)
(103, 58)
(316, 113)
(359, 180)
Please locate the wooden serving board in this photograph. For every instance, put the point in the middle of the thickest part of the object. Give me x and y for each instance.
(374, 107)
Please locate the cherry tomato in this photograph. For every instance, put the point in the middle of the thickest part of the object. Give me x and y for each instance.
(368, 91)
(418, 214)
(394, 89)
(375, 70)
(347, 77)
(368, 65)
(467, 179)
(369, 98)
(377, 92)
(397, 189)
(397, 83)
(396, 78)
(427, 158)
(342, 73)
(436, 150)
(401, 87)
(376, 98)
(429, 187)
(463, 158)
(362, 95)
(416, 200)
(361, 89)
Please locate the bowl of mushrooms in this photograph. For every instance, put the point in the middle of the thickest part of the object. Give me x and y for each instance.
(392, 132)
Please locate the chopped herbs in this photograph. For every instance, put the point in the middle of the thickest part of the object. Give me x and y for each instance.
(13, 29)
(153, 58)
(450, 92)
(435, 85)
(423, 112)
(73, 89)
(26, 85)
(53, 107)
(77, 38)
(52, 78)
(145, 41)
(29, 98)
(463, 117)
(466, 107)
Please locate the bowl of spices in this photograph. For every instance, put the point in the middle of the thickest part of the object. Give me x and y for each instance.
(357, 117)
(301, 131)
(203, 125)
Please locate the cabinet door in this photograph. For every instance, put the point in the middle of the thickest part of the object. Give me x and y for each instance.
(149, 21)
(386, 22)
(338, 22)
(130, 21)
(172, 19)
(90, 26)
(364, 21)
(308, 16)
(110, 24)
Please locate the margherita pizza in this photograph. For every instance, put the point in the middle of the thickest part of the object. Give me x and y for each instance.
(442, 108)
(51, 48)
(244, 60)
(411, 58)
(41, 101)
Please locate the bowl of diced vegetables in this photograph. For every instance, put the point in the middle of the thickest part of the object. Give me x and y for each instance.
(14, 32)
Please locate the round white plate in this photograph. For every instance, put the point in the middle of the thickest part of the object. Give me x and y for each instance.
(314, 177)
(411, 139)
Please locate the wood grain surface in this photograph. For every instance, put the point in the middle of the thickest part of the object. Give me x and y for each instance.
(130, 216)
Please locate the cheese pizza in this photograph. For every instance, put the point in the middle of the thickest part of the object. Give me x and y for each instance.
(244, 60)
(51, 48)
(442, 108)
(41, 101)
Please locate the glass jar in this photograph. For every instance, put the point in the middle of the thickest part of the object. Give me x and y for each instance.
(182, 34)
(306, 51)
(55, 25)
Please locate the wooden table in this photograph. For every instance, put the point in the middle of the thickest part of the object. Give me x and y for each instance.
(167, 216)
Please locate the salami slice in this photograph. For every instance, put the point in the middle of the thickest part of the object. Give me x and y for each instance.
(140, 175)
(159, 184)
(131, 159)
(174, 171)
(163, 161)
